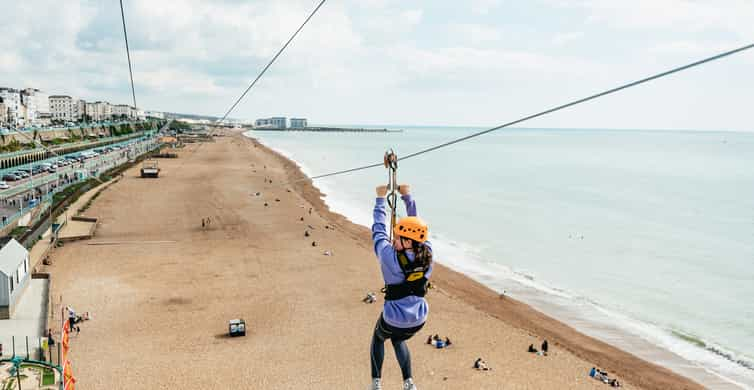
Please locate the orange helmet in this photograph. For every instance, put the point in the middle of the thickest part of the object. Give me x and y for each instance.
(413, 228)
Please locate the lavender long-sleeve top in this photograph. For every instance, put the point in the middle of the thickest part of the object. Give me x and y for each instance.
(409, 311)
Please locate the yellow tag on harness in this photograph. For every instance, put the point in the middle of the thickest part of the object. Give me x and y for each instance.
(415, 276)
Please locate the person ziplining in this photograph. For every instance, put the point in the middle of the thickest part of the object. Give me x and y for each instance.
(406, 264)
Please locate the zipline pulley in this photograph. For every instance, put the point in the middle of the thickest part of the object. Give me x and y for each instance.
(391, 163)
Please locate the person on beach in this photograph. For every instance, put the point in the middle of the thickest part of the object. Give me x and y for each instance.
(481, 365)
(71, 318)
(406, 265)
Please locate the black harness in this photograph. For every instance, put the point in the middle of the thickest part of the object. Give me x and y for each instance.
(415, 282)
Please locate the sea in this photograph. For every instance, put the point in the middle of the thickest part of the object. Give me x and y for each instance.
(641, 238)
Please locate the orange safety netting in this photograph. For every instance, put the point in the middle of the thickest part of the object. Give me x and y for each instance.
(69, 382)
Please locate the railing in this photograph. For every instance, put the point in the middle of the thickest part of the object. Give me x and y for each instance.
(68, 145)
(93, 144)
(6, 131)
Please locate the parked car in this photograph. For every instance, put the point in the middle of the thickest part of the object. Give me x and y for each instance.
(4, 185)
(23, 174)
(11, 177)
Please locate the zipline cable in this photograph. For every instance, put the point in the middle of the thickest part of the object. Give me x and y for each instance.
(128, 52)
(545, 112)
(271, 61)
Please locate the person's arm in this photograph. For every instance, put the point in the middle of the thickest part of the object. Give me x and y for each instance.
(408, 200)
(380, 236)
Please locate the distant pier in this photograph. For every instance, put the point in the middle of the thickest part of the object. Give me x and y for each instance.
(330, 129)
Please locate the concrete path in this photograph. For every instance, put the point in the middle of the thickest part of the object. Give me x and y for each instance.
(28, 320)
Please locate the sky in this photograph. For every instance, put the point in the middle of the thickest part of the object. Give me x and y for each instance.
(399, 62)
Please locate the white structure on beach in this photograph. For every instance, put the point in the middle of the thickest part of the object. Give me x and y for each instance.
(15, 272)
(298, 123)
(278, 122)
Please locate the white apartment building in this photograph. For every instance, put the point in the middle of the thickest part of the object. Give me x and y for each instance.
(278, 122)
(63, 108)
(79, 109)
(124, 111)
(298, 123)
(99, 111)
(37, 106)
(153, 114)
(120, 110)
(12, 100)
(3, 114)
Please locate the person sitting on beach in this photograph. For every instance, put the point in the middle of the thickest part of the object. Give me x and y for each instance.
(532, 349)
(481, 365)
(406, 265)
(370, 298)
(71, 318)
(447, 342)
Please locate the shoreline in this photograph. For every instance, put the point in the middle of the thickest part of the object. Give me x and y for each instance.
(520, 315)
(676, 347)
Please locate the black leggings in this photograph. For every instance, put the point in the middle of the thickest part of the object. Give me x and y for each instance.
(398, 336)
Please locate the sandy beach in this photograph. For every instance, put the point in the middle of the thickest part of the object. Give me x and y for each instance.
(161, 289)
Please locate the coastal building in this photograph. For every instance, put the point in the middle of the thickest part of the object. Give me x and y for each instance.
(3, 114)
(298, 123)
(278, 122)
(262, 123)
(37, 106)
(12, 100)
(15, 272)
(123, 111)
(62, 108)
(79, 109)
(99, 111)
(153, 114)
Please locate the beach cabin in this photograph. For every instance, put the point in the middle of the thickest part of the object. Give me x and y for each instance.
(15, 272)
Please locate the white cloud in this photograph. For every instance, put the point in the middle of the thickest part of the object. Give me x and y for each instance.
(372, 61)
(685, 16)
(484, 7)
(563, 38)
(476, 33)
(412, 16)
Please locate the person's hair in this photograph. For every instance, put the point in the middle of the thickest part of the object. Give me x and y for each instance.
(422, 254)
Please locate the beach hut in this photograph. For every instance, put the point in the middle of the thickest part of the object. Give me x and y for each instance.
(15, 272)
